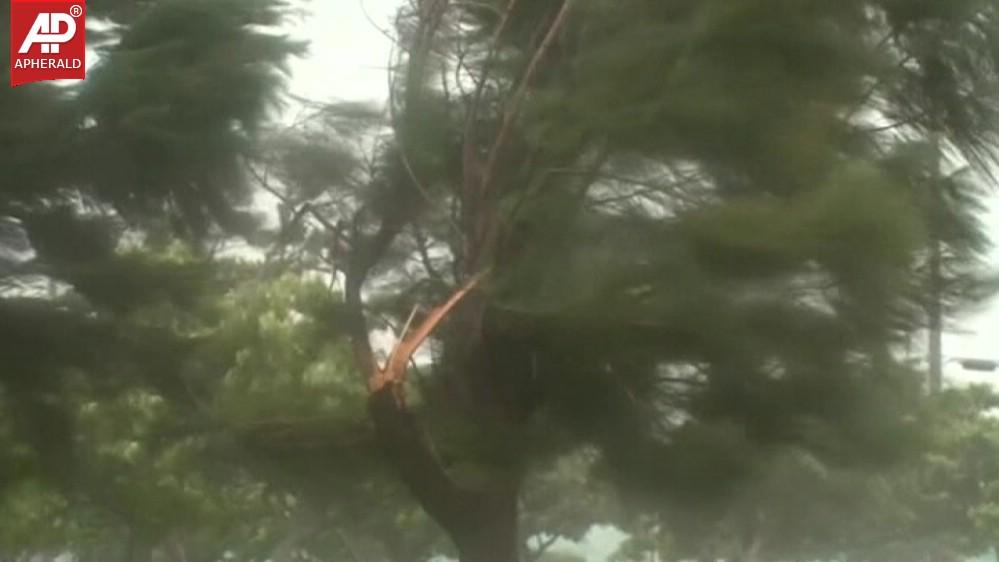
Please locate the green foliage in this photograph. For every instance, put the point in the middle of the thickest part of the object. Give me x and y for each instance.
(563, 499)
(174, 104)
(796, 506)
(285, 357)
(707, 226)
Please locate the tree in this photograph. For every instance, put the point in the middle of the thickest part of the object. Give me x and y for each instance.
(659, 228)
(949, 497)
(797, 507)
(266, 459)
(562, 501)
(146, 151)
(681, 235)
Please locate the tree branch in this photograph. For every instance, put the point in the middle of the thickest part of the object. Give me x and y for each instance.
(478, 183)
(513, 109)
(395, 370)
(535, 554)
(480, 84)
(422, 247)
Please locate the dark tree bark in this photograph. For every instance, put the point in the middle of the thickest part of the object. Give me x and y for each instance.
(491, 534)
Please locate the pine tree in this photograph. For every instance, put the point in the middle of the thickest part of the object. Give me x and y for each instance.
(664, 228)
(147, 149)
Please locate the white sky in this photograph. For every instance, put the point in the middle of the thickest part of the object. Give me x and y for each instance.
(348, 55)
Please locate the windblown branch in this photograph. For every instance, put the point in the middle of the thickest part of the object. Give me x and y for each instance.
(480, 84)
(513, 108)
(478, 183)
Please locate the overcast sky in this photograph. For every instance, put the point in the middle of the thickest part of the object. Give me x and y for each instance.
(348, 56)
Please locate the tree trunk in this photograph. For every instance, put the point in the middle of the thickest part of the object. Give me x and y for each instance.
(935, 314)
(482, 524)
(136, 549)
(935, 304)
(491, 533)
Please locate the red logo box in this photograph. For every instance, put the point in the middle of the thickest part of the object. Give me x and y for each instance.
(48, 40)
